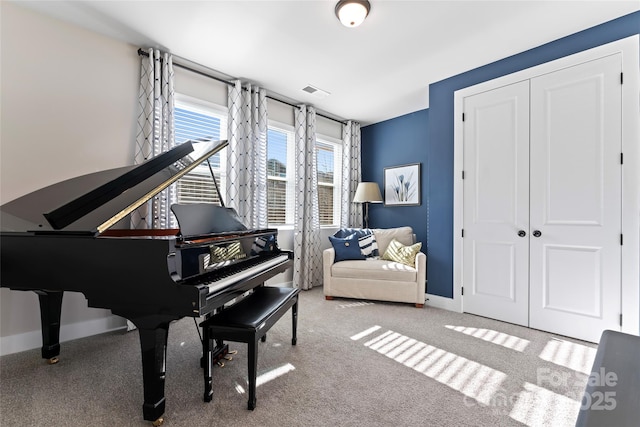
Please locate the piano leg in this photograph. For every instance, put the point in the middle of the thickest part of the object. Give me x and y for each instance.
(50, 309)
(208, 365)
(154, 331)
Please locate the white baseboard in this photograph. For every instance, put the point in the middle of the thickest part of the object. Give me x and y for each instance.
(33, 339)
(442, 302)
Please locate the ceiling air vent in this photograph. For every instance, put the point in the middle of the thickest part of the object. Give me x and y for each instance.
(318, 93)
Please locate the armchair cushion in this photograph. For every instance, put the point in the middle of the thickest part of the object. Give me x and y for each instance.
(403, 235)
(366, 240)
(398, 252)
(382, 270)
(346, 248)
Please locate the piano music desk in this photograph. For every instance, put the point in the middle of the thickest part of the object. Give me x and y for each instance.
(248, 321)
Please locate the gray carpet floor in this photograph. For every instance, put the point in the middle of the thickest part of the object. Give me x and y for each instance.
(357, 363)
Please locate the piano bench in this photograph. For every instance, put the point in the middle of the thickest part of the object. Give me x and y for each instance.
(247, 321)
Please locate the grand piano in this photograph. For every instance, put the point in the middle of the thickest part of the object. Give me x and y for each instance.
(74, 236)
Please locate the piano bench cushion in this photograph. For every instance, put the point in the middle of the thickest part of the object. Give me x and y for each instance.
(254, 308)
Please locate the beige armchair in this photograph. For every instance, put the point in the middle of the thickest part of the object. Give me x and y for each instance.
(377, 279)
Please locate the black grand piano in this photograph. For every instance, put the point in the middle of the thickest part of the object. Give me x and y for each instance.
(74, 236)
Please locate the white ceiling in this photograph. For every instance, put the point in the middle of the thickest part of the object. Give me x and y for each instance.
(374, 72)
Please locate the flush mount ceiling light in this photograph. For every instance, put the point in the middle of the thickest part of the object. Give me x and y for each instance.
(352, 12)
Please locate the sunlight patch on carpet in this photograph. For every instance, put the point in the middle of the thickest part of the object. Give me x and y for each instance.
(537, 406)
(274, 373)
(355, 304)
(268, 376)
(494, 337)
(569, 354)
(470, 378)
(364, 333)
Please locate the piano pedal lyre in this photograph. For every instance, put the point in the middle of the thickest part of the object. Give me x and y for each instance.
(228, 355)
(158, 422)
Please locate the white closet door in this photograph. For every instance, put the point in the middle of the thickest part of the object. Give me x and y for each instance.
(496, 203)
(575, 200)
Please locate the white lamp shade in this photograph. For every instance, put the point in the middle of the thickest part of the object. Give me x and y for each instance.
(352, 13)
(368, 192)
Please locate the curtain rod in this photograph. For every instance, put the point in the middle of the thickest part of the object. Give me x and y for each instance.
(202, 73)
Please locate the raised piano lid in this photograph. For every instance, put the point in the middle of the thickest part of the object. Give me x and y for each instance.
(90, 204)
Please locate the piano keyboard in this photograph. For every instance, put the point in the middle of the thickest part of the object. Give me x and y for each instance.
(223, 282)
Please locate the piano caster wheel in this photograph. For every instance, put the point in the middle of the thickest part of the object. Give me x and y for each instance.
(158, 422)
(221, 364)
(53, 361)
(227, 357)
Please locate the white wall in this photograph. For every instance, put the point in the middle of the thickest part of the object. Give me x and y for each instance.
(68, 107)
(68, 104)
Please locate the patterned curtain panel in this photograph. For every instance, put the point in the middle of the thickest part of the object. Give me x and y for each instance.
(307, 260)
(351, 215)
(246, 184)
(155, 133)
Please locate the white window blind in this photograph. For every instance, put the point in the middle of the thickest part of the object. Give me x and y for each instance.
(279, 176)
(325, 166)
(195, 120)
(328, 155)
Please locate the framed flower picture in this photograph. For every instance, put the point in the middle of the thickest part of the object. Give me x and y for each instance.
(402, 185)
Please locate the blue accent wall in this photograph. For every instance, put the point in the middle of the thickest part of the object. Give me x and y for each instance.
(387, 143)
(395, 142)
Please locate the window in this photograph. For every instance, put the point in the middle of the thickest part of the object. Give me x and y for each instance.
(328, 157)
(196, 119)
(281, 176)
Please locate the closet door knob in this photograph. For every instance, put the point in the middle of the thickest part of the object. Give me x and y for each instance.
(522, 233)
(537, 233)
